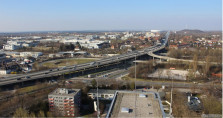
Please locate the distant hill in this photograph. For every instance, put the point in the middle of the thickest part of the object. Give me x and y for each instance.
(189, 31)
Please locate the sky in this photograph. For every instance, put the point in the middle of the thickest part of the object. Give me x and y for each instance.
(79, 15)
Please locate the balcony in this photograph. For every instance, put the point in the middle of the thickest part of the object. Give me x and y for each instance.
(71, 99)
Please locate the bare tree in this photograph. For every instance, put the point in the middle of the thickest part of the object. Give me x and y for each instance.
(20, 112)
(159, 73)
(206, 66)
(195, 64)
(168, 72)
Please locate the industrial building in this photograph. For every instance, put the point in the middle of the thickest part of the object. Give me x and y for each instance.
(87, 43)
(16, 44)
(65, 101)
(136, 104)
(32, 54)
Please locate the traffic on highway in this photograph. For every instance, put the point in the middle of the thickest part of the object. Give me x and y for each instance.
(72, 68)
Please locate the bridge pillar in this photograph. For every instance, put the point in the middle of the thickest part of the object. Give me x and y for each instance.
(153, 61)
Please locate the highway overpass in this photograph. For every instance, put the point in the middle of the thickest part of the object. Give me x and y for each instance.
(179, 60)
(82, 67)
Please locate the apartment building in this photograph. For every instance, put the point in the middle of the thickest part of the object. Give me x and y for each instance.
(65, 101)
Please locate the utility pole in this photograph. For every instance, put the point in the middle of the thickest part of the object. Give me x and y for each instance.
(171, 98)
(135, 72)
(135, 86)
(98, 112)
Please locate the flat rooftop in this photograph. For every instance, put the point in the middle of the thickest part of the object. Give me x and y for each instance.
(64, 91)
(136, 104)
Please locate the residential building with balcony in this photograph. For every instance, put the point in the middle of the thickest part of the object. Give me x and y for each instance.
(65, 101)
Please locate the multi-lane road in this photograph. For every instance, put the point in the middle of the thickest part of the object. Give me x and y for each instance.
(80, 67)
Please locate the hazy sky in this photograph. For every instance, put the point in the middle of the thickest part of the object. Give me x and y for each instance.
(58, 15)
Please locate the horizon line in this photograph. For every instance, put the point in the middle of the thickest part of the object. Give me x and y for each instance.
(114, 30)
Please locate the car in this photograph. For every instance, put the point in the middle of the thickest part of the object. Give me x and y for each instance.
(27, 77)
(18, 78)
(51, 70)
(195, 82)
(92, 63)
(69, 82)
(2, 78)
(105, 75)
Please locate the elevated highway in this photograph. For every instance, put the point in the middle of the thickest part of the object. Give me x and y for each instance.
(82, 67)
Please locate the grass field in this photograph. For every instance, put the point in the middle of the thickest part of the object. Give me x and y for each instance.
(66, 62)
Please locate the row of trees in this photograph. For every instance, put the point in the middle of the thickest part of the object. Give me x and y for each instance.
(24, 101)
(112, 84)
(36, 111)
(180, 108)
(69, 47)
(142, 70)
(215, 55)
(196, 71)
(210, 104)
